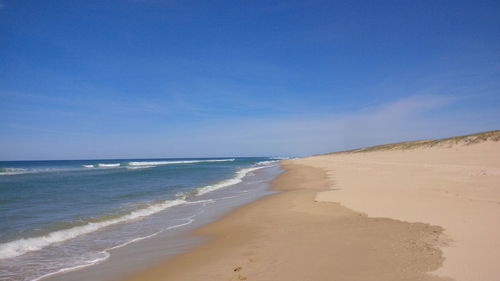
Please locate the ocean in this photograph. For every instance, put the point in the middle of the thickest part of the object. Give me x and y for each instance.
(57, 216)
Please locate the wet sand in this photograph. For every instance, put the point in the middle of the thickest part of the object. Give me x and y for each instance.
(292, 236)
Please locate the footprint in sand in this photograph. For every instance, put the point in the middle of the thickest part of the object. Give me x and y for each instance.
(238, 269)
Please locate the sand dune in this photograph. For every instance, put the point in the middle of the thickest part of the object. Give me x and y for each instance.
(453, 183)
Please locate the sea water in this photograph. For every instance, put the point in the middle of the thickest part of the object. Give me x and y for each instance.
(57, 216)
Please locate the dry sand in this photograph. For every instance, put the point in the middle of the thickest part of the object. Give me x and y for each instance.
(290, 236)
(455, 186)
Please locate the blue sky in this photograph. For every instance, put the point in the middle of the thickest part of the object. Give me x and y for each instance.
(152, 78)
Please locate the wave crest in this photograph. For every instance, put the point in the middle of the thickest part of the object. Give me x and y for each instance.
(139, 167)
(232, 181)
(268, 162)
(22, 246)
(152, 163)
(108, 164)
(13, 171)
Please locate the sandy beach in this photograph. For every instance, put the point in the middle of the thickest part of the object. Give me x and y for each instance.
(453, 185)
(425, 213)
(289, 236)
(155, 140)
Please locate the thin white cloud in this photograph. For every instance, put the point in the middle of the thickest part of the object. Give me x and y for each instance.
(415, 117)
(404, 119)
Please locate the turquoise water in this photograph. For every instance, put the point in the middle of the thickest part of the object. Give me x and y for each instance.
(57, 215)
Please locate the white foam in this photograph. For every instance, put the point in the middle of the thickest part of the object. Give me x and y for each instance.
(25, 245)
(20, 171)
(189, 221)
(139, 167)
(269, 162)
(200, 202)
(73, 268)
(225, 183)
(13, 171)
(134, 240)
(108, 165)
(88, 166)
(149, 163)
(106, 254)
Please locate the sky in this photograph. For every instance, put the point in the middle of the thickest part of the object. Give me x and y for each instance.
(153, 79)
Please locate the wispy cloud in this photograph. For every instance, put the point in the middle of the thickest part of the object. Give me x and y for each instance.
(415, 117)
(16, 126)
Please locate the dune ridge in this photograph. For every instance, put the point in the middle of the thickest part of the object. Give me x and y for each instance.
(452, 182)
(444, 142)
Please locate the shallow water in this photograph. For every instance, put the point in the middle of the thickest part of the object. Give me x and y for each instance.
(63, 215)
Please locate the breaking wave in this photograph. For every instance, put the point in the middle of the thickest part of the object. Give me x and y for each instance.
(236, 179)
(108, 165)
(20, 171)
(25, 245)
(139, 167)
(13, 171)
(270, 162)
(152, 163)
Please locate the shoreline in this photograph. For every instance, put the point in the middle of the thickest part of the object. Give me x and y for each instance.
(133, 257)
(289, 235)
(426, 213)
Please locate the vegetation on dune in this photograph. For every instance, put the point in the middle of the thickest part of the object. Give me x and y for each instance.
(446, 142)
